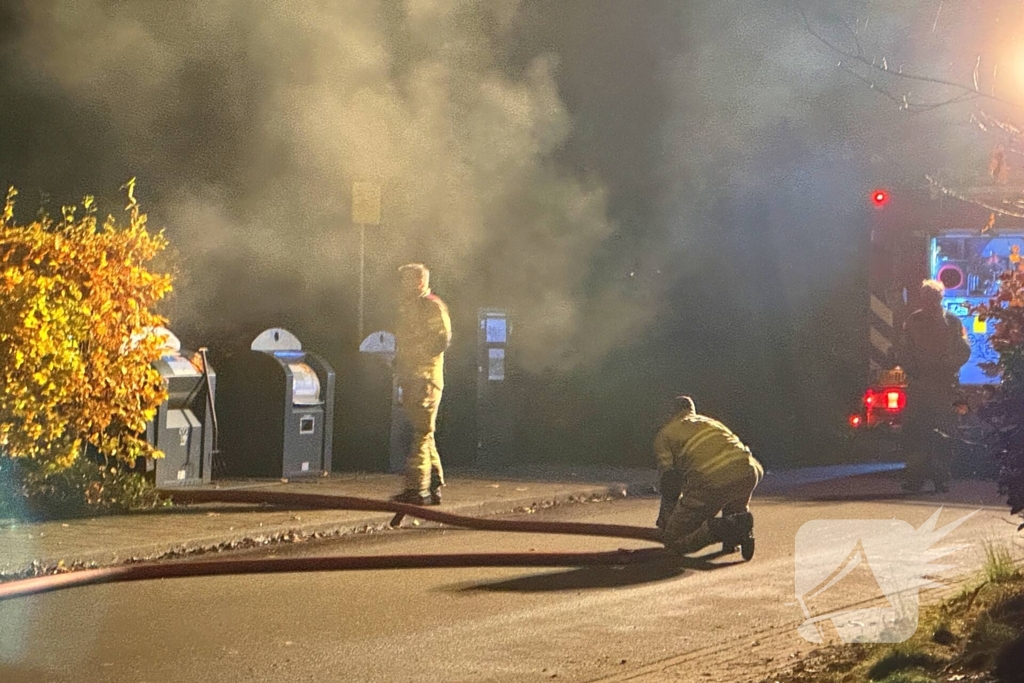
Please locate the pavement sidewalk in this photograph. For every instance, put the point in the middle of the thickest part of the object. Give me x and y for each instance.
(39, 547)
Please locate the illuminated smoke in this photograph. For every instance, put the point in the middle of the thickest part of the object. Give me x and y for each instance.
(732, 152)
(247, 122)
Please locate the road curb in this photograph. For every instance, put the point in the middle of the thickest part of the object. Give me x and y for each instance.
(249, 537)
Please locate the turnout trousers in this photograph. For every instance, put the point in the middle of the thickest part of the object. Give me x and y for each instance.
(687, 529)
(421, 399)
(929, 429)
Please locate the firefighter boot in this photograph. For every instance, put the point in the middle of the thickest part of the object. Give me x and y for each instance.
(736, 533)
(435, 487)
(412, 497)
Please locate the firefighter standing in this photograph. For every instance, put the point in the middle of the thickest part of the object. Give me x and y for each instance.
(935, 346)
(423, 333)
(705, 469)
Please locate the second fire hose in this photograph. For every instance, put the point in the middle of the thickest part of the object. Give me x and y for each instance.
(296, 501)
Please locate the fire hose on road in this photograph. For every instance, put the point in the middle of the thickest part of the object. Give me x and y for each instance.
(302, 501)
(297, 501)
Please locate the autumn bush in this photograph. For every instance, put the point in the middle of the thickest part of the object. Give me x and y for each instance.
(1004, 412)
(30, 491)
(76, 348)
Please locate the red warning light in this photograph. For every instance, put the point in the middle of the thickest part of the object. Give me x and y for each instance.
(869, 399)
(895, 400)
(880, 197)
(855, 421)
(892, 399)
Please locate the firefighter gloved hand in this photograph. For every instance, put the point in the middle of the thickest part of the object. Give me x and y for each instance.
(663, 514)
(670, 485)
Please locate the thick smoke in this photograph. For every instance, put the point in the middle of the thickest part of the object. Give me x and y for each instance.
(247, 123)
(668, 196)
(777, 149)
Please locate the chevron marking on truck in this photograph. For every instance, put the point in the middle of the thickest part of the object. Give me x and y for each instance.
(882, 334)
(881, 310)
(880, 342)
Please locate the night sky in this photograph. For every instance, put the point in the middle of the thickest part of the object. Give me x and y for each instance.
(668, 196)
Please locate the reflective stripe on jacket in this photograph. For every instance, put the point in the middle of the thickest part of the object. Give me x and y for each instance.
(698, 445)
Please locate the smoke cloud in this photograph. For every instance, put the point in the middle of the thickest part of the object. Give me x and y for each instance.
(669, 197)
(247, 123)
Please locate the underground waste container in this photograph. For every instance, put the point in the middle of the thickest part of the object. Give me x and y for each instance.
(183, 428)
(276, 409)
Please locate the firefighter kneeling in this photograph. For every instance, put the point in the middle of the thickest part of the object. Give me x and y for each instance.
(705, 469)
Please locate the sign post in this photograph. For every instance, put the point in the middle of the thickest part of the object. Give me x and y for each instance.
(365, 211)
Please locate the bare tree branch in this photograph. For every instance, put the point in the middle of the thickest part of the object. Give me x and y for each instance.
(1013, 137)
(1009, 207)
(903, 100)
(984, 119)
(855, 36)
(857, 56)
(876, 73)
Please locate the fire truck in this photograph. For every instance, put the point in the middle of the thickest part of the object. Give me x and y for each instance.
(918, 234)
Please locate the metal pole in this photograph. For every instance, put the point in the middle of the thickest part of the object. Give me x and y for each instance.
(362, 276)
(210, 402)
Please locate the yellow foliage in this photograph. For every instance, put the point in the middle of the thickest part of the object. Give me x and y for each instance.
(75, 356)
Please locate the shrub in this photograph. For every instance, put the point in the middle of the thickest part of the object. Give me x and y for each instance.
(1004, 413)
(29, 490)
(76, 350)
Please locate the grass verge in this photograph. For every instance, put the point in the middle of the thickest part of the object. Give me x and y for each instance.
(976, 635)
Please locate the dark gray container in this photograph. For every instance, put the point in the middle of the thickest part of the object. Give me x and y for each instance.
(276, 410)
(183, 426)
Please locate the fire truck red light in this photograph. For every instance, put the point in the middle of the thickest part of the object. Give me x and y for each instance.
(895, 400)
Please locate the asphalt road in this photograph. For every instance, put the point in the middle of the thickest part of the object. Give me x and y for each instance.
(714, 620)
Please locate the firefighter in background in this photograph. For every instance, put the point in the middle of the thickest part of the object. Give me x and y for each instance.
(705, 469)
(423, 333)
(934, 349)
(991, 269)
